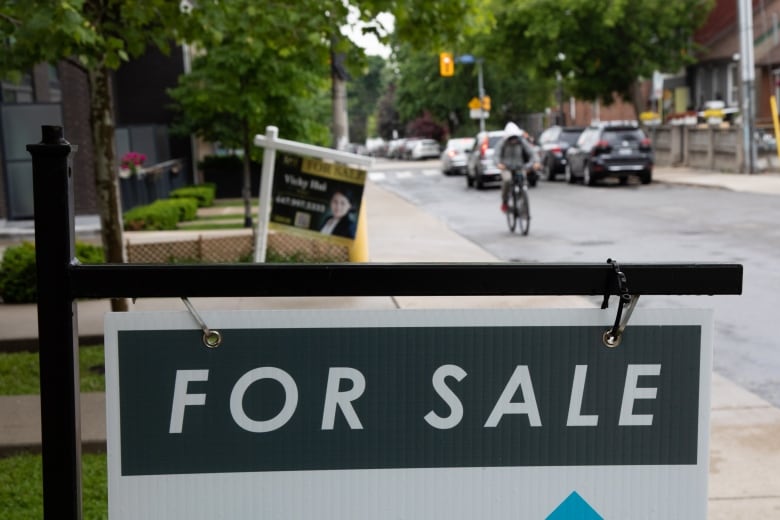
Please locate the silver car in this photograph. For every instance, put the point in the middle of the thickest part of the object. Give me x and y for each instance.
(455, 156)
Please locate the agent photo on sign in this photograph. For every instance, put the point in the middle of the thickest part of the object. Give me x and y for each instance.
(341, 220)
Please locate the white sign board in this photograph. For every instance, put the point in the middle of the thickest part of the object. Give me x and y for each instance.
(456, 414)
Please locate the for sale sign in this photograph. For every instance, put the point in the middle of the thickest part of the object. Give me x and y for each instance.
(408, 414)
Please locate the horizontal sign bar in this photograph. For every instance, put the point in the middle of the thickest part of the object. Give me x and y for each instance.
(440, 279)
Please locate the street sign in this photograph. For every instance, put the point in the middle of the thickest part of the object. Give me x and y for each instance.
(476, 113)
(475, 103)
(462, 414)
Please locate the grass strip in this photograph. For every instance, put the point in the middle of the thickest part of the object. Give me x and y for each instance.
(20, 372)
(21, 487)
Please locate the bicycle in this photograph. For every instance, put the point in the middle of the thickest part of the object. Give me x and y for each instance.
(518, 207)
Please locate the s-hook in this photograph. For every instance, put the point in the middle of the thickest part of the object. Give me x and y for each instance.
(211, 338)
(613, 336)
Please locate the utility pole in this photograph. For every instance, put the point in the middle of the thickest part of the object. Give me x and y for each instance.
(748, 77)
(468, 59)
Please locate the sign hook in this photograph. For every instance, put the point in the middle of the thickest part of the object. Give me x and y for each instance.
(613, 336)
(211, 338)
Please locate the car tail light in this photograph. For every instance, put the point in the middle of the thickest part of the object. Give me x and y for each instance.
(483, 148)
(555, 149)
(645, 144)
(601, 147)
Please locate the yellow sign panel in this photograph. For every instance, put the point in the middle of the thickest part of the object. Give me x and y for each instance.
(475, 103)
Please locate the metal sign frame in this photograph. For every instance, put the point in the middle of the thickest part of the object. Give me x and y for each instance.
(61, 281)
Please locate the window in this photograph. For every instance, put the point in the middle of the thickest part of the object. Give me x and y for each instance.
(21, 92)
(55, 90)
(732, 85)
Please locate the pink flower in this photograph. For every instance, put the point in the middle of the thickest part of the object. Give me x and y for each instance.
(132, 160)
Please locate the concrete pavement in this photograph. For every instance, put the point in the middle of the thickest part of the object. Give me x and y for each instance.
(745, 430)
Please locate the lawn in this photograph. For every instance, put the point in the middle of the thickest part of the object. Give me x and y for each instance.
(21, 487)
(19, 372)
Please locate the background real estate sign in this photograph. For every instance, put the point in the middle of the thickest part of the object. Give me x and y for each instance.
(305, 190)
(408, 414)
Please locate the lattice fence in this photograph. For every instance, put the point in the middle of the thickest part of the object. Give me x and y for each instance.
(235, 248)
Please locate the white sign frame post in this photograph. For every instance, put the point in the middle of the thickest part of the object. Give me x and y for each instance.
(270, 142)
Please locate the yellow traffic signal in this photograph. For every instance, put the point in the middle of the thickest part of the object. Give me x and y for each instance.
(446, 64)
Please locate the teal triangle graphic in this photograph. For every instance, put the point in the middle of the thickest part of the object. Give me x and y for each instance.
(574, 508)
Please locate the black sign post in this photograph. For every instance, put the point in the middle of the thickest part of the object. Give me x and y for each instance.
(61, 281)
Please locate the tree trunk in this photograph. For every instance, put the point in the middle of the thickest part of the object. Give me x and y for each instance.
(106, 172)
(338, 77)
(246, 190)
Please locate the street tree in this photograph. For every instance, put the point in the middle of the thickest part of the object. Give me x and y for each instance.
(97, 35)
(601, 48)
(262, 67)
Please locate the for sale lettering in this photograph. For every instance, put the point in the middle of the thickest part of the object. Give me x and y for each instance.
(407, 397)
(342, 400)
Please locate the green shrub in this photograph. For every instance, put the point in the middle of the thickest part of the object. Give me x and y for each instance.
(188, 207)
(90, 253)
(17, 274)
(154, 216)
(203, 193)
(18, 280)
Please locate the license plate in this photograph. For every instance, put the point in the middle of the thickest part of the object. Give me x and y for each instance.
(624, 151)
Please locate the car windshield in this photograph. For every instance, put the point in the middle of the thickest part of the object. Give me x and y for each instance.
(493, 140)
(570, 136)
(461, 144)
(617, 137)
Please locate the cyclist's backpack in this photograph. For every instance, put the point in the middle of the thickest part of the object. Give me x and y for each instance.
(513, 153)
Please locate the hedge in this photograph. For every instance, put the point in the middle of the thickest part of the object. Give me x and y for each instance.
(18, 280)
(162, 214)
(203, 193)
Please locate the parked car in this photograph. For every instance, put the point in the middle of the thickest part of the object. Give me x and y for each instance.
(454, 158)
(395, 148)
(553, 144)
(424, 149)
(618, 149)
(481, 168)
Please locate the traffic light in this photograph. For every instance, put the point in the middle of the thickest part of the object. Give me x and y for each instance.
(446, 64)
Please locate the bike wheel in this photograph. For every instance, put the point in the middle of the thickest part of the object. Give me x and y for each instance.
(523, 211)
(511, 212)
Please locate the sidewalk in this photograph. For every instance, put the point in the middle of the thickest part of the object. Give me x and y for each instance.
(745, 430)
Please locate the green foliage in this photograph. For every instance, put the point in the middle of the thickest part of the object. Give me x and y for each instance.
(20, 373)
(600, 47)
(158, 216)
(21, 486)
(202, 193)
(17, 270)
(17, 274)
(188, 207)
(267, 67)
(89, 253)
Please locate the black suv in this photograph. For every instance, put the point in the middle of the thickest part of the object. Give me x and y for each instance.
(553, 144)
(610, 149)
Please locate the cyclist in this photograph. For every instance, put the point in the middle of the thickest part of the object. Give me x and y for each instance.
(514, 152)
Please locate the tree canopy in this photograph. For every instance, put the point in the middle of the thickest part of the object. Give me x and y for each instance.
(600, 47)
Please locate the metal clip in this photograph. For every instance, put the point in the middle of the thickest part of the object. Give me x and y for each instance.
(211, 338)
(613, 336)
